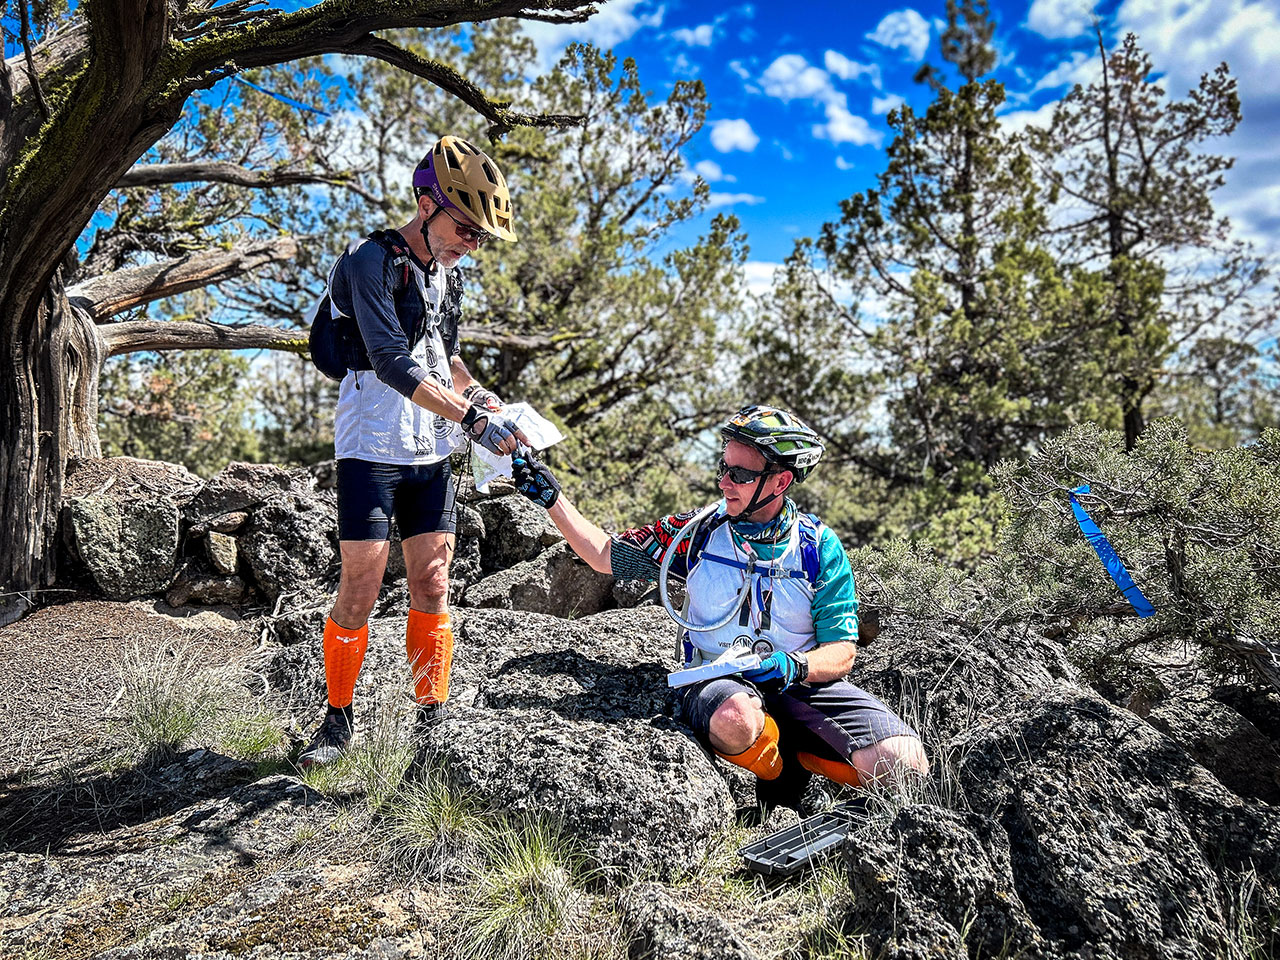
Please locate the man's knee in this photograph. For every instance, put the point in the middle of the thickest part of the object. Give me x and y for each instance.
(736, 723)
(889, 759)
(431, 583)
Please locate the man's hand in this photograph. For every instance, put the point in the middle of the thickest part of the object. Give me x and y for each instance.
(492, 431)
(535, 480)
(778, 671)
(485, 399)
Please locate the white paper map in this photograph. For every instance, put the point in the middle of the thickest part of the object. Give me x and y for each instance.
(542, 433)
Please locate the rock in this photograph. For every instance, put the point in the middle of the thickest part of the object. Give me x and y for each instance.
(129, 478)
(238, 489)
(1219, 738)
(324, 474)
(573, 721)
(466, 563)
(205, 590)
(943, 681)
(514, 530)
(470, 523)
(223, 552)
(937, 883)
(290, 540)
(556, 583)
(231, 522)
(128, 546)
(1119, 842)
(395, 558)
(120, 522)
(664, 928)
(633, 593)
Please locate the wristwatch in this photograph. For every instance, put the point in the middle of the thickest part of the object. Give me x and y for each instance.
(802, 667)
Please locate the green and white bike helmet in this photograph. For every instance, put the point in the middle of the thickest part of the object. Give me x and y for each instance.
(782, 438)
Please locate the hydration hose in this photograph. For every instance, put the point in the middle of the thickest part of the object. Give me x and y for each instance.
(663, 571)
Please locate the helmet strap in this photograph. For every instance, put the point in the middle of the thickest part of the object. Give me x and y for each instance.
(426, 239)
(755, 503)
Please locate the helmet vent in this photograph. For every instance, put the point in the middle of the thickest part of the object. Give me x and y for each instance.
(488, 210)
(465, 197)
(452, 158)
(488, 172)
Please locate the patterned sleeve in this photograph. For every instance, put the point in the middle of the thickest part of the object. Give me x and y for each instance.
(835, 601)
(637, 554)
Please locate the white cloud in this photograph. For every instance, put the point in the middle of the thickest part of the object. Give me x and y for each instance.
(729, 135)
(1081, 68)
(903, 28)
(729, 199)
(792, 77)
(737, 67)
(1019, 120)
(882, 105)
(615, 22)
(844, 127)
(700, 36)
(843, 164)
(847, 69)
(759, 275)
(1187, 38)
(682, 66)
(1060, 19)
(711, 172)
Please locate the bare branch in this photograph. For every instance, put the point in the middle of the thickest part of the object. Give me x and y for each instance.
(31, 65)
(159, 335)
(114, 293)
(449, 80)
(156, 174)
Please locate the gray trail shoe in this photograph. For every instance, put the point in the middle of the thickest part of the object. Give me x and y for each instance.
(329, 743)
(429, 715)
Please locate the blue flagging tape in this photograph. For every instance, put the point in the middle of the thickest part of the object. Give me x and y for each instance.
(280, 96)
(1107, 554)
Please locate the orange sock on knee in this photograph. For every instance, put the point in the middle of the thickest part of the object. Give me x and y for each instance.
(837, 770)
(344, 652)
(429, 643)
(762, 757)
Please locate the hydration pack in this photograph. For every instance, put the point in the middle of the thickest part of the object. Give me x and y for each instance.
(335, 341)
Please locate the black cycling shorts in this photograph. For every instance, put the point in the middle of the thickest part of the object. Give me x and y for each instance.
(831, 720)
(421, 498)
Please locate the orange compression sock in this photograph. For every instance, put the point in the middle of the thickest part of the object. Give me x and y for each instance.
(429, 643)
(762, 757)
(344, 652)
(837, 770)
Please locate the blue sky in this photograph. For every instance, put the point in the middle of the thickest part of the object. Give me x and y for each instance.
(799, 91)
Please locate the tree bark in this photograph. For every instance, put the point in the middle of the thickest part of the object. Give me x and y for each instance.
(122, 290)
(49, 400)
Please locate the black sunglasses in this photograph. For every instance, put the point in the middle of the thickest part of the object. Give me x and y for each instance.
(468, 233)
(741, 474)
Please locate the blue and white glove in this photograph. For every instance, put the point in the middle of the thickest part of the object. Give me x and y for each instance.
(778, 671)
(535, 480)
(487, 428)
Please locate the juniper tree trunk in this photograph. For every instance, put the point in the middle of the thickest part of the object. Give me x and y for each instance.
(48, 406)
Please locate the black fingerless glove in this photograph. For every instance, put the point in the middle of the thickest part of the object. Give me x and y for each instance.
(535, 480)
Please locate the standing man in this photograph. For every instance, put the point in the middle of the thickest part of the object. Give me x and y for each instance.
(789, 580)
(406, 403)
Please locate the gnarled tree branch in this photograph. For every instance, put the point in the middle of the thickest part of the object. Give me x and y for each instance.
(159, 335)
(114, 293)
(450, 81)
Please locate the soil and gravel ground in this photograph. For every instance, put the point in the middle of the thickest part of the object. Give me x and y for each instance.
(59, 670)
